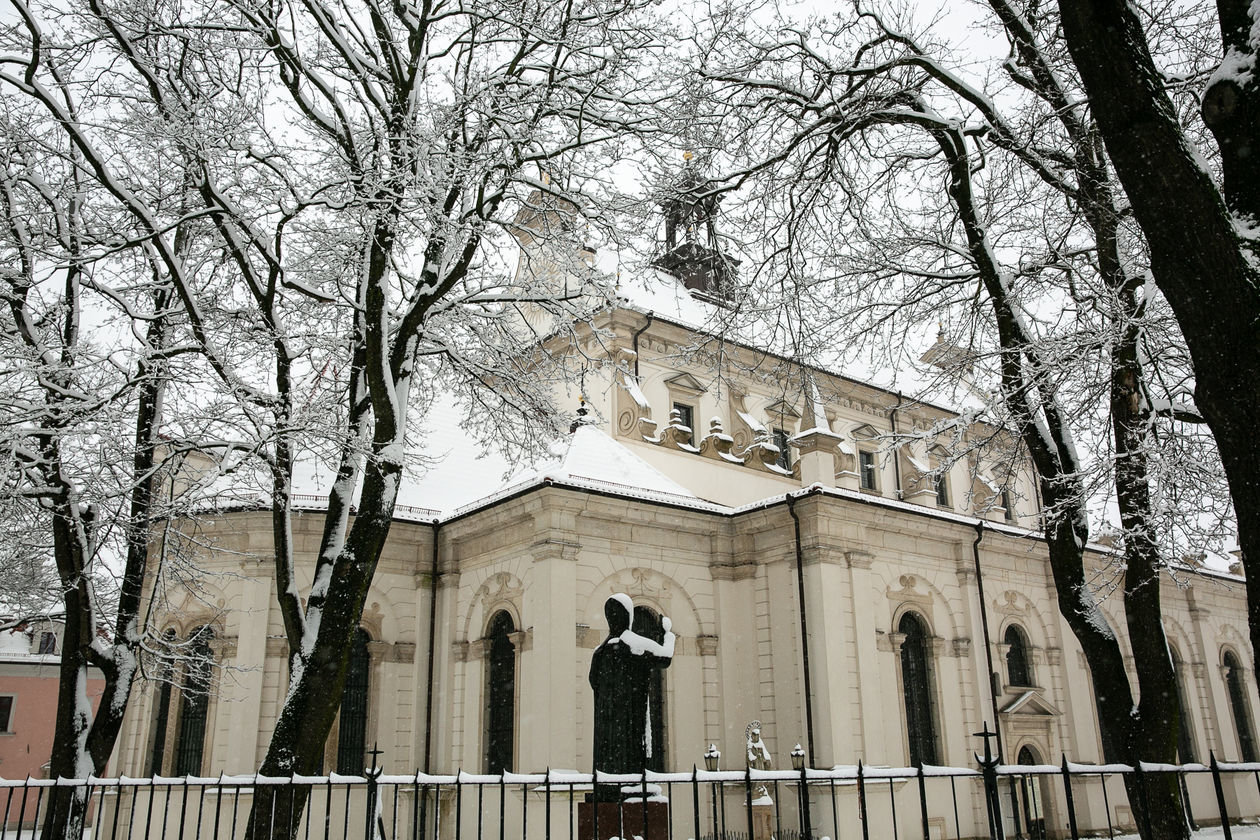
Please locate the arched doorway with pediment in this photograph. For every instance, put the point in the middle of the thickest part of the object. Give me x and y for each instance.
(1035, 795)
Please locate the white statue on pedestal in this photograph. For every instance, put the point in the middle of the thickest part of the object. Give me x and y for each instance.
(758, 758)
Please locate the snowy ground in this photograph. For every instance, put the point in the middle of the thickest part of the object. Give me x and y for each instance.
(1239, 832)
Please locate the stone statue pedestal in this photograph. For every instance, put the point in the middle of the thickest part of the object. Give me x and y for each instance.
(762, 820)
(624, 819)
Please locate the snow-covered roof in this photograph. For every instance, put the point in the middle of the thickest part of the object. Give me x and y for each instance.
(663, 295)
(592, 460)
(15, 646)
(14, 643)
(594, 456)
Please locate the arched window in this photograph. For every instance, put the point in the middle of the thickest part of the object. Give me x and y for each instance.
(648, 624)
(162, 706)
(500, 693)
(1018, 669)
(1238, 705)
(352, 727)
(915, 685)
(1185, 740)
(194, 703)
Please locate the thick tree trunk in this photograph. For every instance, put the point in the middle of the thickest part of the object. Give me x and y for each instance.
(1197, 257)
(64, 814)
(1159, 707)
(297, 744)
(83, 741)
(1124, 729)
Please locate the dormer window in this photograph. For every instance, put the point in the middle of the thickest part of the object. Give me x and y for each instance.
(867, 470)
(785, 455)
(686, 417)
(940, 462)
(47, 642)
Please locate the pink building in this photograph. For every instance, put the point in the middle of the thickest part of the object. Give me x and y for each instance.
(29, 657)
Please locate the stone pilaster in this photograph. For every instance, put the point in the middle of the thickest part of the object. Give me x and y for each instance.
(548, 669)
(872, 746)
(244, 687)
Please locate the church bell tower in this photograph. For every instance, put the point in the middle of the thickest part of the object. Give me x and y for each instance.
(692, 251)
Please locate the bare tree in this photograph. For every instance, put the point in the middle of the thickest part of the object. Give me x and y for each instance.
(1203, 244)
(82, 434)
(1034, 225)
(357, 170)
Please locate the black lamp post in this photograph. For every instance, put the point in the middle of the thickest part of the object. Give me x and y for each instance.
(798, 764)
(711, 758)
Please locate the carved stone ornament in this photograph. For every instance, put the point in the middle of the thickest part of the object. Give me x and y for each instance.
(643, 583)
(909, 593)
(1009, 605)
(501, 587)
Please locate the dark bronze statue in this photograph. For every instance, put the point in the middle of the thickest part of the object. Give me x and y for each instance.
(620, 670)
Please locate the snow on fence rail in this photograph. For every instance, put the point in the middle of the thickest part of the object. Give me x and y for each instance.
(848, 801)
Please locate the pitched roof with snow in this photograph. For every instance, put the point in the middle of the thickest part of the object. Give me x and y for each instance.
(592, 460)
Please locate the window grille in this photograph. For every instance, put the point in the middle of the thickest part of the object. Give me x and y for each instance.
(194, 704)
(686, 417)
(866, 469)
(915, 682)
(352, 730)
(1185, 741)
(785, 454)
(1238, 704)
(1018, 671)
(500, 694)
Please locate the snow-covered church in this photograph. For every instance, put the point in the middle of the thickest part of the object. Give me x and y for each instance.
(870, 603)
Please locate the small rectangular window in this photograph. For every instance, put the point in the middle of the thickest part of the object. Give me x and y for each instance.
(1008, 505)
(942, 490)
(6, 713)
(48, 642)
(686, 417)
(866, 469)
(785, 455)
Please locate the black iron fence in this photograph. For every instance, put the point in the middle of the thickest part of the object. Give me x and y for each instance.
(844, 803)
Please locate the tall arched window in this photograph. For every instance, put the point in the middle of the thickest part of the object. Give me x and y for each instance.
(500, 693)
(161, 707)
(1018, 670)
(916, 686)
(1238, 705)
(352, 727)
(1185, 740)
(194, 703)
(648, 624)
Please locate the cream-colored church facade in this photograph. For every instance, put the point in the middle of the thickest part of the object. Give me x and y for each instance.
(710, 529)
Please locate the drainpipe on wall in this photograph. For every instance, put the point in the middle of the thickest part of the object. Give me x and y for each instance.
(800, 587)
(428, 703)
(634, 342)
(984, 628)
(892, 419)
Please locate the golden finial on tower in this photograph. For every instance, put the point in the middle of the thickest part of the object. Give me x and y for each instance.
(688, 155)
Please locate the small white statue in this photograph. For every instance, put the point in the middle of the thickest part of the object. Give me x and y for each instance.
(758, 758)
(758, 753)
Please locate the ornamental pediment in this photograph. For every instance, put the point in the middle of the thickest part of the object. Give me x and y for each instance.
(686, 383)
(780, 408)
(864, 432)
(1030, 704)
